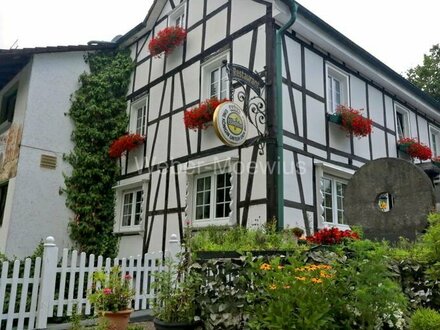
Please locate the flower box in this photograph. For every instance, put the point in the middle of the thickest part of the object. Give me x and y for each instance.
(167, 40)
(436, 161)
(201, 116)
(335, 118)
(352, 121)
(125, 143)
(414, 148)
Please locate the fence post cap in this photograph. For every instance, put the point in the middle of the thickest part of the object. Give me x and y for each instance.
(50, 241)
(173, 238)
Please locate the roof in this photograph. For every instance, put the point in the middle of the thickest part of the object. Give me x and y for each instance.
(12, 61)
(362, 53)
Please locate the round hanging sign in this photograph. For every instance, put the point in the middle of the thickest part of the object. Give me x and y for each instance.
(230, 124)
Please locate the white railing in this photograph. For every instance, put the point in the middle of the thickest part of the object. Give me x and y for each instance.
(50, 287)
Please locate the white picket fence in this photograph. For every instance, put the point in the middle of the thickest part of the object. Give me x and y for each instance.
(49, 287)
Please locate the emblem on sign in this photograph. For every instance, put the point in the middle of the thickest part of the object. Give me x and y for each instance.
(230, 124)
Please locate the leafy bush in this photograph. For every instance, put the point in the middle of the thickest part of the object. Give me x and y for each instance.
(331, 290)
(217, 238)
(425, 319)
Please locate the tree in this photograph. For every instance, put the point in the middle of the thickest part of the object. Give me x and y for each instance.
(427, 75)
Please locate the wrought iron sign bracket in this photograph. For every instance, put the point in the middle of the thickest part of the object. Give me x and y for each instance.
(247, 87)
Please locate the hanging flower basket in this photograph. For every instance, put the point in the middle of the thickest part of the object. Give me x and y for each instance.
(125, 143)
(352, 121)
(201, 116)
(167, 40)
(414, 148)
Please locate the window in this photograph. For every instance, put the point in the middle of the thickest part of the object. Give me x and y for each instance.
(131, 208)
(213, 198)
(337, 89)
(402, 122)
(215, 79)
(139, 117)
(331, 182)
(8, 108)
(435, 141)
(333, 190)
(177, 17)
(219, 83)
(211, 193)
(3, 195)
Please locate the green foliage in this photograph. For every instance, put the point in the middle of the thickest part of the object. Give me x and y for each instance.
(222, 299)
(175, 292)
(98, 113)
(368, 295)
(427, 75)
(111, 292)
(217, 238)
(425, 319)
(291, 295)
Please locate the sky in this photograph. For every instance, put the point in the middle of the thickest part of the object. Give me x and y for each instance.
(397, 32)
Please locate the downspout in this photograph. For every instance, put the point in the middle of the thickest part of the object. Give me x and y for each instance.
(279, 109)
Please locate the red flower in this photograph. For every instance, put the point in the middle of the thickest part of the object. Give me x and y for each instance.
(414, 148)
(198, 117)
(353, 121)
(107, 291)
(166, 40)
(330, 236)
(125, 143)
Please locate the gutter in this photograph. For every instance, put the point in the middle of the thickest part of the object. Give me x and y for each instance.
(279, 110)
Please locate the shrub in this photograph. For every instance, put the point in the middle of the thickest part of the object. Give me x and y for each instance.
(425, 319)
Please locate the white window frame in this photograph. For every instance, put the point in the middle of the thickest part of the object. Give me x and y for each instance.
(200, 170)
(135, 106)
(334, 207)
(434, 138)
(134, 192)
(344, 83)
(178, 13)
(407, 126)
(336, 174)
(213, 197)
(207, 68)
(121, 189)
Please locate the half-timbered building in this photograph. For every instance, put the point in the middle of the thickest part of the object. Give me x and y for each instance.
(181, 176)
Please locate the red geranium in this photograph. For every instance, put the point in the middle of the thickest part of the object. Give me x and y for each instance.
(414, 148)
(199, 117)
(166, 40)
(353, 122)
(330, 236)
(125, 143)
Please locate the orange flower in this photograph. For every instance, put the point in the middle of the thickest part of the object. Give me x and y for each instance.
(265, 267)
(300, 278)
(272, 286)
(325, 275)
(316, 280)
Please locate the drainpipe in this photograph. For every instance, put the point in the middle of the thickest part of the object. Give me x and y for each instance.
(279, 109)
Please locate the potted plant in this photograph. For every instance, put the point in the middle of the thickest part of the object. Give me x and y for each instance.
(174, 306)
(201, 116)
(111, 295)
(414, 148)
(167, 40)
(125, 143)
(352, 121)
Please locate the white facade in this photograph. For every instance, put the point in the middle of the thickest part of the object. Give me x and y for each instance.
(35, 205)
(168, 168)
